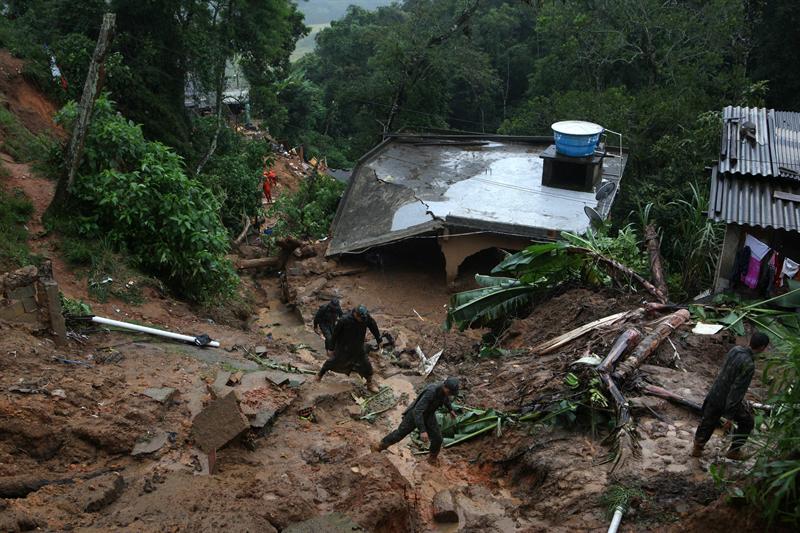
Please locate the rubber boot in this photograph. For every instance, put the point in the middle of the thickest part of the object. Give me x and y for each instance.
(377, 447)
(433, 460)
(371, 386)
(697, 450)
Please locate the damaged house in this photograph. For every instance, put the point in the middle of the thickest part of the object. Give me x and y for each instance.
(755, 191)
(476, 192)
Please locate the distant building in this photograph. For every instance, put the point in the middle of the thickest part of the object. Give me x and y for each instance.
(471, 193)
(755, 188)
(235, 95)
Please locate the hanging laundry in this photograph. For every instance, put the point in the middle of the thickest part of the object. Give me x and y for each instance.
(757, 248)
(790, 268)
(750, 278)
(740, 264)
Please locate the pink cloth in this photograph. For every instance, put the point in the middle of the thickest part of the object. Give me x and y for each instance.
(753, 269)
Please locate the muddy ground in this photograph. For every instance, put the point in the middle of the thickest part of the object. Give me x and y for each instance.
(68, 430)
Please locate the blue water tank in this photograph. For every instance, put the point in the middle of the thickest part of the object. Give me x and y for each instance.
(576, 138)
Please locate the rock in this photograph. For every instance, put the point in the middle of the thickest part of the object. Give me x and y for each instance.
(160, 394)
(151, 442)
(354, 411)
(235, 378)
(20, 277)
(218, 424)
(444, 507)
(104, 491)
(260, 350)
(59, 393)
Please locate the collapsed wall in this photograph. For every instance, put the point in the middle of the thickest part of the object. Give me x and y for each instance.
(29, 296)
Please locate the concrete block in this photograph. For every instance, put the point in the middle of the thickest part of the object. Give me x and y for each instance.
(218, 424)
(57, 323)
(14, 313)
(20, 293)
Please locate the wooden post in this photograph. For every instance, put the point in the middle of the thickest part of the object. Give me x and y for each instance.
(90, 89)
(656, 267)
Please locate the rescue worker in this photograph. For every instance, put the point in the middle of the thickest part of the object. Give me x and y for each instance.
(270, 179)
(421, 415)
(726, 398)
(325, 320)
(348, 346)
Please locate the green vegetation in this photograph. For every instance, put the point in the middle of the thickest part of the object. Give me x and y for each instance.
(74, 306)
(537, 271)
(136, 194)
(775, 477)
(19, 142)
(307, 213)
(15, 210)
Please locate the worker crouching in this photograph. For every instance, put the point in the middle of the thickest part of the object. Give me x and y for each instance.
(421, 415)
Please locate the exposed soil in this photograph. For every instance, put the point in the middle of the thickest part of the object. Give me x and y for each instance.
(68, 429)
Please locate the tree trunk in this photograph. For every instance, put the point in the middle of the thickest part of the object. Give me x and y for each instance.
(653, 249)
(261, 262)
(619, 268)
(629, 339)
(90, 89)
(650, 343)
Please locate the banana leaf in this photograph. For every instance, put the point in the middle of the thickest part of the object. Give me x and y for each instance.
(526, 256)
(495, 281)
(479, 307)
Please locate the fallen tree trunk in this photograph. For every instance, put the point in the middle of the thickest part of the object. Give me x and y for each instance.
(627, 340)
(557, 342)
(650, 343)
(243, 234)
(619, 268)
(624, 437)
(659, 392)
(261, 262)
(656, 269)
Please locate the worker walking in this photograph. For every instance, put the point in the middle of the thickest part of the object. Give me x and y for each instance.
(349, 335)
(325, 321)
(726, 398)
(421, 415)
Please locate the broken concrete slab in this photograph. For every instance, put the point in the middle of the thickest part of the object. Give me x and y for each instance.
(218, 424)
(160, 394)
(260, 350)
(150, 442)
(102, 492)
(444, 507)
(331, 523)
(220, 387)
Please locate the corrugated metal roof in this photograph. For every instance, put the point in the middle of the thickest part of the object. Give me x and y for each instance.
(752, 201)
(773, 153)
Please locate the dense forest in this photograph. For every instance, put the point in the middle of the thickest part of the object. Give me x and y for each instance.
(658, 72)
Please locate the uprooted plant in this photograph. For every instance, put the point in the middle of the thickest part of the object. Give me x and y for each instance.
(539, 269)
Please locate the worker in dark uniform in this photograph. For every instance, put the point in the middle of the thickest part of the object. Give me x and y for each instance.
(348, 345)
(421, 415)
(325, 320)
(726, 398)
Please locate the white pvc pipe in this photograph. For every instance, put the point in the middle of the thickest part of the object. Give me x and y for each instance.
(152, 331)
(616, 520)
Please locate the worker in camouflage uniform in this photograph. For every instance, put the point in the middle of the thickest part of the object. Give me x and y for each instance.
(348, 346)
(325, 321)
(421, 415)
(726, 398)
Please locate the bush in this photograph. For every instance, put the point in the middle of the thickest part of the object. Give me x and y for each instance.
(775, 477)
(15, 210)
(307, 213)
(135, 194)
